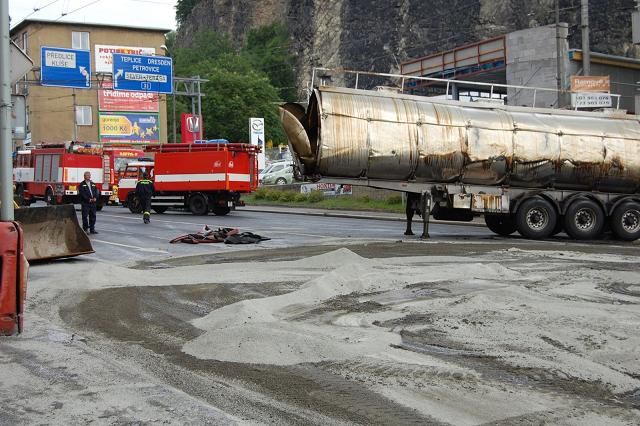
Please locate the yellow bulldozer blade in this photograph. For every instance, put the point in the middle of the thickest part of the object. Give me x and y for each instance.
(52, 232)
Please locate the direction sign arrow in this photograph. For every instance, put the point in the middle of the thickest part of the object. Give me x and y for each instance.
(143, 73)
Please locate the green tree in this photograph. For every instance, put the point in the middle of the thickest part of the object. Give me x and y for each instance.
(267, 48)
(236, 89)
(183, 10)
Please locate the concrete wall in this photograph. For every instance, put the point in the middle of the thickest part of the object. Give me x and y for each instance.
(51, 113)
(531, 61)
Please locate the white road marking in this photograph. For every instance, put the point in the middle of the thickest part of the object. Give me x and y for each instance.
(129, 233)
(155, 219)
(152, 250)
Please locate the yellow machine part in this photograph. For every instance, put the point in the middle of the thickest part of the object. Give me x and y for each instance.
(52, 232)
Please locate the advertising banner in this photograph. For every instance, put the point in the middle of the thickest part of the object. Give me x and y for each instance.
(122, 100)
(327, 188)
(590, 100)
(590, 83)
(129, 127)
(104, 58)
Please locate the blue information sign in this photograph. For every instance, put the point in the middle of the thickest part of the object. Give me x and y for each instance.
(142, 73)
(65, 67)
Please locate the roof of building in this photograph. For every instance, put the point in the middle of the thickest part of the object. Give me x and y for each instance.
(27, 22)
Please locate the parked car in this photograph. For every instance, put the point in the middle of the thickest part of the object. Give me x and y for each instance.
(280, 173)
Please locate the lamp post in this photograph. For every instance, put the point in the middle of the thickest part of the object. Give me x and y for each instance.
(173, 99)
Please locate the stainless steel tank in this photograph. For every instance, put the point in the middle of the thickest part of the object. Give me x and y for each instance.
(356, 133)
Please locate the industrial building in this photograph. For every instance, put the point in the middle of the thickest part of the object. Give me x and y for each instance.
(526, 58)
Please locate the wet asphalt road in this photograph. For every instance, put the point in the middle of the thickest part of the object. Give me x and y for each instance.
(124, 238)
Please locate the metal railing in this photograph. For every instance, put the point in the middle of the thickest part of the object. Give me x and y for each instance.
(442, 81)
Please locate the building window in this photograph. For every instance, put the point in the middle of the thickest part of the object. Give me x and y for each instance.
(84, 116)
(25, 38)
(80, 40)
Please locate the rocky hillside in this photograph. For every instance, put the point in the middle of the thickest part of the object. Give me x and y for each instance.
(377, 35)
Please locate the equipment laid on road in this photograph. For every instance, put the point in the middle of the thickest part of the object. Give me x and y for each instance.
(534, 170)
(53, 172)
(13, 278)
(196, 177)
(220, 235)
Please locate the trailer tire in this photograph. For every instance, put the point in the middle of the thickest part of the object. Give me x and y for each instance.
(49, 198)
(160, 209)
(536, 218)
(198, 205)
(584, 220)
(501, 224)
(221, 210)
(625, 221)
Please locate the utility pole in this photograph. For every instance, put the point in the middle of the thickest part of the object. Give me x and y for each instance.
(6, 167)
(559, 58)
(586, 53)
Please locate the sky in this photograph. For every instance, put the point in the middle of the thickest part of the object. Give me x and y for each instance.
(136, 13)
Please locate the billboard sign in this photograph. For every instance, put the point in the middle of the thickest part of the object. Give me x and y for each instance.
(330, 189)
(190, 126)
(142, 73)
(104, 55)
(129, 127)
(256, 135)
(581, 84)
(590, 100)
(61, 67)
(123, 100)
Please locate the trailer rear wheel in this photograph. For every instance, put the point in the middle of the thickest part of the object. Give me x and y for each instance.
(625, 221)
(198, 205)
(584, 220)
(536, 218)
(501, 224)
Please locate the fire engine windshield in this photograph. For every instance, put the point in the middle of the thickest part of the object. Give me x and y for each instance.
(120, 163)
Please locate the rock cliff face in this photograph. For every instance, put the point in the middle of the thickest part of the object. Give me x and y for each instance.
(376, 35)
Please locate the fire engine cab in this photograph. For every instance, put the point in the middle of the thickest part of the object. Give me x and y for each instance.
(195, 177)
(53, 172)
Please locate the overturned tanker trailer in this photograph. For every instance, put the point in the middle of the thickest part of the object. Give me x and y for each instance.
(532, 170)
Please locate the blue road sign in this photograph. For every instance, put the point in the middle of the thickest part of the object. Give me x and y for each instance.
(142, 73)
(65, 67)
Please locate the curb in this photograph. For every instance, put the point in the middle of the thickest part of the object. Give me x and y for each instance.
(353, 215)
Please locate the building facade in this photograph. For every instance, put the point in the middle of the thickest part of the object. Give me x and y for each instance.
(94, 114)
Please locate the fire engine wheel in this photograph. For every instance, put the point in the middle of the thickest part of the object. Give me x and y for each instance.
(221, 210)
(198, 205)
(134, 204)
(99, 206)
(536, 218)
(160, 209)
(49, 198)
(625, 221)
(584, 220)
(501, 224)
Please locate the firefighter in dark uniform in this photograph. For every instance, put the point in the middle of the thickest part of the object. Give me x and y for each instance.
(89, 195)
(144, 191)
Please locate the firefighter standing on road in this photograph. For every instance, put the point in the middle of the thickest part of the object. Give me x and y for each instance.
(89, 195)
(144, 191)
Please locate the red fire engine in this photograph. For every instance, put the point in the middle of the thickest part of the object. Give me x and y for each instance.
(53, 172)
(198, 178)
(115, 160)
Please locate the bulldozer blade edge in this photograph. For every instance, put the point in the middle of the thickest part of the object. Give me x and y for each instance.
(52, 232)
